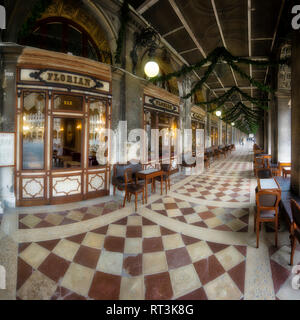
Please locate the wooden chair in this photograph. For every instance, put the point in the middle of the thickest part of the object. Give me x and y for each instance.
(166, 168)
(131, 187)
(295, 229)
(264, 173)
(258, 164)
(267, 202)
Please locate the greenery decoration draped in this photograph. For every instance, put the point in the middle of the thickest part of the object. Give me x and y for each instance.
(124, 18)
(221, 54)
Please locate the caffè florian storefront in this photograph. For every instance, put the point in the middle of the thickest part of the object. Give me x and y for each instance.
(63, 103)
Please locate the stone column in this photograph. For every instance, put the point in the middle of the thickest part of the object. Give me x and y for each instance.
(208, 130)
(284, 127)
(295, 113)
(273, 129)
(220, 133)
(9, 57)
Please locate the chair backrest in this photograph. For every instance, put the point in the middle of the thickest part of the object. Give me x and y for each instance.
(128, 176)
(259, 162)
(264, 173)
(166, 167)
(295, 212)
(267, 199)
(284, 164)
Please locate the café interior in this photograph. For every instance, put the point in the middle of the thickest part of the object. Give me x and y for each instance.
(85, 216)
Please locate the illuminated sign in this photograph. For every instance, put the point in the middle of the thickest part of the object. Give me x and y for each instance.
(161, 104)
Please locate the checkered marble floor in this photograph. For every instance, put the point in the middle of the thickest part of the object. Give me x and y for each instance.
(282, 272)
(218, 218)
(216, 188)
(44, 220)
(133, 258)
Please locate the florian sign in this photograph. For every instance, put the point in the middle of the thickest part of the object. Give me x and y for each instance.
(55, 77)
(2, 18)
(161, 105)
(197, 116)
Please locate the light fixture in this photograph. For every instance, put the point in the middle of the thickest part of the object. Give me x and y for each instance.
(151, 69)
(233, 124)
(218, 113)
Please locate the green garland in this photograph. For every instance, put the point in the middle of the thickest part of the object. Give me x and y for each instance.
(39, 8)
(223, 55)
(124, 18)
(226, 96)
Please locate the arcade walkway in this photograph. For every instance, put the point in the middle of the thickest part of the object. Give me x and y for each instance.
(196, 242)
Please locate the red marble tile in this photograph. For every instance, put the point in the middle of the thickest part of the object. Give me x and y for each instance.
(133, 265)
(24, 272)
(62, 293)
(158, 287)
(187, 211)
(147, 222)
(88, 216)
(200, 224)
(101, 230)
(134, 232)
(43, 224)
(54, 267)
(170, 206)
(165, 231)
(105, 286)
(237, 274)
(189, 240)
(23, 246)
(223, 227)
(77, 238)
(152, 244)
(206, 215)
(177, 258)
(114, 244)
(216, 247)
(87, 256)
(198, 294)
(242, 250)
(49, 245)
(22, 226)
(208, 269)
(121, 221)
(279, 275)
(182, 219)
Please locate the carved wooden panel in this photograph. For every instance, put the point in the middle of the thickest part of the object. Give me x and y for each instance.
(33, 188)
(96, 182)
(66, 186)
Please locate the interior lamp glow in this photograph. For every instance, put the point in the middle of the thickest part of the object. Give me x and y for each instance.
(218, 113)
(151, 69)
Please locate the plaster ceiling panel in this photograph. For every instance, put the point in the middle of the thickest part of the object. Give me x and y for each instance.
(162, 17)
(264, 17)
(136, 3)
(240, 80)
(233, 16)
(192, 57)
(199, 15)
(261, 48)
(181, 41)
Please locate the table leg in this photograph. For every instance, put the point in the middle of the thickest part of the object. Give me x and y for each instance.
(146, 187)
(161, 184)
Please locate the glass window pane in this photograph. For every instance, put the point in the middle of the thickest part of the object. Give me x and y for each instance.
(97, 122)
(74, 41)
(68, 103)
(91, 52)
(67, 133)
(52, 36)
(33, 130)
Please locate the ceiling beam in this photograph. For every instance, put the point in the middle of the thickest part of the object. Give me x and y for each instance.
(145, 6)
(190, 32)
(172, 31)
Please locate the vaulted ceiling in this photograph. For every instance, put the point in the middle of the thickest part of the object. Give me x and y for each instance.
(194, 28)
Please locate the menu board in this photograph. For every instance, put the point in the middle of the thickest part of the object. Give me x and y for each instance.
(7, 149)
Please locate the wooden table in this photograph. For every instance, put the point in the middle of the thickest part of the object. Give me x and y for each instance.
(72, 164)
(286, 171)
(150, 174)
(268, 184)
